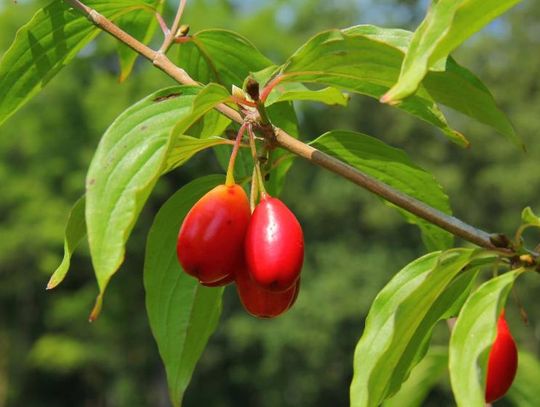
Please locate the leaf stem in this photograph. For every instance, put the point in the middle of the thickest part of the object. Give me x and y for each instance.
(260, 180)
(170, 36)
(295, 146)
(229, 180)
(162, 24)
(270, 86)
(254, 190)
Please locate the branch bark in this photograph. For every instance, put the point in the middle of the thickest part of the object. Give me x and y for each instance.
(297, 147)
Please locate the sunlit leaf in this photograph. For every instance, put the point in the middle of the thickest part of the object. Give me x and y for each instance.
(393, 167)
(284, 116)
(48, 42)
(446, 304)
(447, 24)
(131, 156)
(528, 217)
(186, 147)
(423, 377)
(358, 63)
(182, 313)
(329, 96)
(399, 321)
(472, 337)
(220, 56)
(74, 234)
(448, 82)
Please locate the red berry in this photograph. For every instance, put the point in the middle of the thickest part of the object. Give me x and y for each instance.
(502, 363)
(274, 245)
(210, 244)
(263, 303)
(220, 283)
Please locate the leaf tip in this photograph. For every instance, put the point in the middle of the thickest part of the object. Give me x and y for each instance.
(122, 77)
(124, 73)
(97, 308)
(388, 98)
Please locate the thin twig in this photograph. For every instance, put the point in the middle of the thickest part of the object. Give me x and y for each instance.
(295, 146)
(169, 38)
(163, 25)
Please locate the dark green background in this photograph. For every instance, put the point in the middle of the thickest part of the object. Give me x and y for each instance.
(51, 356)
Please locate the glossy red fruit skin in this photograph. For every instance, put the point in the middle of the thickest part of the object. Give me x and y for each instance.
(262, 303)
(210, 244)
(221, 283)
(274, 246)
(502, 362)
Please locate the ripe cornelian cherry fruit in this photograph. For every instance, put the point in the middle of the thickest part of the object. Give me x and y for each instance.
(262, 303)
(220, 283)
(210, 243)
(502, 362)
(274, 245)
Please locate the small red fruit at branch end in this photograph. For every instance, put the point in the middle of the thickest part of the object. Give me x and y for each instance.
(262, 303)
(210, 244)
(221, 283)
(502, 362)
(274, 245)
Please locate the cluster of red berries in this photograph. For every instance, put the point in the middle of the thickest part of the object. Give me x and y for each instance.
(221, 241)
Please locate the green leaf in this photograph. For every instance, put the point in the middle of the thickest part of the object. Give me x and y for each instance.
(364, 65)
(528, 217)
(209, 97)
(472, 337)
(395, 37)
(461, 288)
(182, 313)
(524, 390)
(423, 377)
(449, 83)
(74, 234)
(212, 124)
(446, 305)
(283, 116)
(130, 157)
(460, 90)
(220, 56)
(393, 167)
(186, 147)
(140, 24)
(403, 312)
(52, 38)
(447, 24)
(291, 91)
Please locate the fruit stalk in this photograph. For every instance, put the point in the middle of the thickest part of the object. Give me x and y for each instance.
(257, 168)
(229, 180)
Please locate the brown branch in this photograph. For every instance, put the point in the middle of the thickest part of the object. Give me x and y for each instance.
(295, 146)
(412, 205)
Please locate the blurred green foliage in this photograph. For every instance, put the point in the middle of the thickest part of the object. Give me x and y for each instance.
(51, 356)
